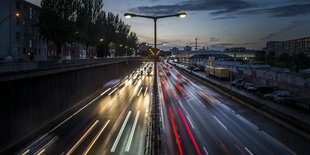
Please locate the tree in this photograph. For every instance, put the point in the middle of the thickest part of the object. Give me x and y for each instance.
(89, 22)
(57, 21)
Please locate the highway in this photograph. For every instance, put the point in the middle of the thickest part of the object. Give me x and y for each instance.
(115, 122)
(195, 120)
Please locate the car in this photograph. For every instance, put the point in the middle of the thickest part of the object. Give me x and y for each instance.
(251, 87)
(283, 98)
(247, 84)
(270, 96)
(262, 90)
(235, 82)
(241, 84)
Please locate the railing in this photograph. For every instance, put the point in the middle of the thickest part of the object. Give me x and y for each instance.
(7, 68)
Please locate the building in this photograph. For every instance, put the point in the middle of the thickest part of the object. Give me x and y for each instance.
(20, 39)
(296, 46)
(209, 59)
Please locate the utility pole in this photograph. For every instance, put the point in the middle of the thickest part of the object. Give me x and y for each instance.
(196, 45)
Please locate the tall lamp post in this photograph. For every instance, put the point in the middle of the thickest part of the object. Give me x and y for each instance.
(16, 14)
(155, 18)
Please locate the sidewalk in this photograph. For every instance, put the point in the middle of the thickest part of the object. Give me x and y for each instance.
(297, 114)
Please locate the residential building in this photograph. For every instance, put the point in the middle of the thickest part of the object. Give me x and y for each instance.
(301, 45)
(20, 38)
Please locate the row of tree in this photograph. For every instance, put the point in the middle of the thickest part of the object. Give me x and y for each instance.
(296, 61)
(85, 21)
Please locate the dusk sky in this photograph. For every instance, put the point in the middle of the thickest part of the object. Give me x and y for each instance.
(217, 23)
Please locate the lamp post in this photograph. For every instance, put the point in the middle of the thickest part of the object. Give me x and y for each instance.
(155, 18)
(16, 14)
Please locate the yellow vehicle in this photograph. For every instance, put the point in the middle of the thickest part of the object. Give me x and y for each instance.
(219, 72)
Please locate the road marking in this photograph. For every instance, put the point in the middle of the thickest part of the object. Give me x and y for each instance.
(219, 122)
(42, 149)
(26, 152)
(82, 138)
(41, 152)
(181, 104)
(105, 91)
(132, 132)
(190, 122)
(96, 137)
(145, 91)
(139, 91)
(248, 151)
(120, 132)
(204, 148)
(113, 91)
(66, 119)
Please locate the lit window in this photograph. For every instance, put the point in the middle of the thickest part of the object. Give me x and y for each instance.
(30, 12)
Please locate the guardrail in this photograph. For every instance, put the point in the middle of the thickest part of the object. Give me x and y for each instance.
(17, 67)
(6, 68)
(288, 121)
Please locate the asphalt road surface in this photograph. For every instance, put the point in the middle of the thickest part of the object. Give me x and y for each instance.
(113, 123)
(195, 121)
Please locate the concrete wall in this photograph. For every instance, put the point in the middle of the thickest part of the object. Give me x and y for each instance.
(27, 103)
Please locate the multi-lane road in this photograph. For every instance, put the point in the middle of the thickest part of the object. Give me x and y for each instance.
(113, 123)
(195, 120)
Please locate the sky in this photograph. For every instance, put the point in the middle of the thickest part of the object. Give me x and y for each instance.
(217, 24)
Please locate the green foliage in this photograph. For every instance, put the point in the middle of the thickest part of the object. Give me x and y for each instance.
(57, 21)
(295, 62)
(84, 21)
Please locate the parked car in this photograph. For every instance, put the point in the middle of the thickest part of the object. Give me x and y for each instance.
(283, 98)
(262, 90)
(235, 82)
(270, 96)
(241, 84)
(251, 87)
(247, 84)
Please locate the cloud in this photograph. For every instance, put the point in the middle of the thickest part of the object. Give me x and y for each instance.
(217, 7)
(293, 25)
(284, 11)
(224, 17)
(212, 39)
(222, 46)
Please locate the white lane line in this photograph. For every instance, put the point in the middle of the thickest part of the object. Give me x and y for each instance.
(139, 91)
(96, 137)
(113, 91)
(41, 150)
(26, 152)
(120, 132)
(204, 149)
(82, 138)
(181, 104)
(219, 122)
(190, 122)
(105, 91)
(248, 151)
(197, 99)
(66, 119)
(132, 132)
(145, 91)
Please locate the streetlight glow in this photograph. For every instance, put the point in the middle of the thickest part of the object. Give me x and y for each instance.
(181, 15)
(17, 14)
(129, 15)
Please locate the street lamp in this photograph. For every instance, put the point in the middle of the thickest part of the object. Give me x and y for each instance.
(16, 14)
(155, 18)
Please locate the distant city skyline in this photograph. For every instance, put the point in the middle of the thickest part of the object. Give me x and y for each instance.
(217, 24)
